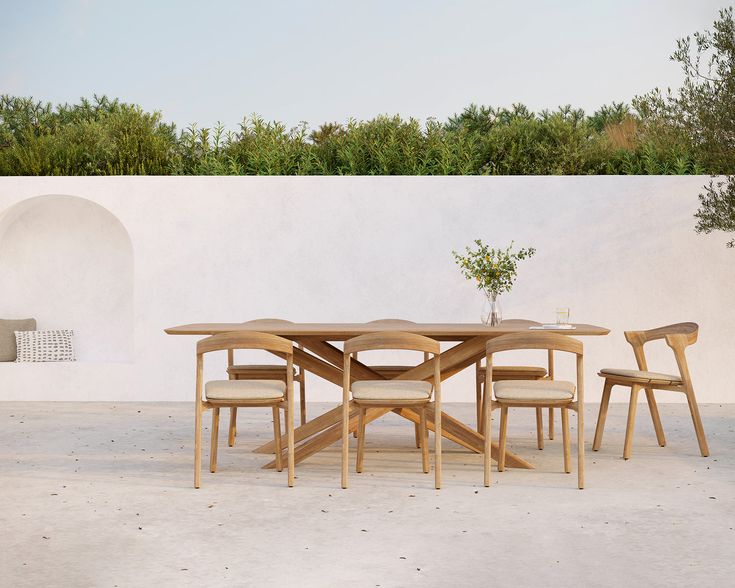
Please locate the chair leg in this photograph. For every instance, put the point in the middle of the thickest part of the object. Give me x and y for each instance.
(424, 441)
(345, 442)
(437, 446)
(602, 416)
(503, 437)
(580, 445)
(360, 462)
(653, 409)
(487, 427)
(566, 441)
(632, 407)
(214, 440)
(291, 455)
(478, 399)
(277, 437)
(417, 434)
(302, 399)
(697, 420)
(551, 423)
(197, 445)
(233, 427)
(484, 408)
(539, 428)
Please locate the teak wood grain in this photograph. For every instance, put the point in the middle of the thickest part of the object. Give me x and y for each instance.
(323, 359)
(344, 331)
(678, 337)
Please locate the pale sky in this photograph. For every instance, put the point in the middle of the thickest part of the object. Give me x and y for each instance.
(323, 60)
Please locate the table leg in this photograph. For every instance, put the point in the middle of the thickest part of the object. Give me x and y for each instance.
(461, 434)
(326, 429)
(331, 435)
(452, 429)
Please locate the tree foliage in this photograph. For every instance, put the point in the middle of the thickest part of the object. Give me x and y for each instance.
(703, 111)
(104, 136)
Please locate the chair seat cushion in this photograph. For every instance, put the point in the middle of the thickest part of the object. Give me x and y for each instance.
(530, 390)
(515, 372)
(641, 375)
(391, 390)
(232, 390)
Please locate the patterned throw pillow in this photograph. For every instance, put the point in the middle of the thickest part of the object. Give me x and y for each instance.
(45, 345)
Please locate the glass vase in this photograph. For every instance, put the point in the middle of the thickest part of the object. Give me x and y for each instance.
(491, 312)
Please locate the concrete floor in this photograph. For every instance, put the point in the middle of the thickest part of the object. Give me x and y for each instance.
(100, 494)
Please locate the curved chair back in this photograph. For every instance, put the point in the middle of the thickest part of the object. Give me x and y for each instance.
(538, 340)
(678, 336)
(684, 332)
(245, 340)
(391, 340)
(263, 322)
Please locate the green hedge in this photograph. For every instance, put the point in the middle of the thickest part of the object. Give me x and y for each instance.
(108, 137)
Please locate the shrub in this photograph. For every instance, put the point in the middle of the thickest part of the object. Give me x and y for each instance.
(106, 136)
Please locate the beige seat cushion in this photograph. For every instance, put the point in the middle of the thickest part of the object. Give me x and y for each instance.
(640, 375)
(244, 389)
(529, 390)
(391, 390)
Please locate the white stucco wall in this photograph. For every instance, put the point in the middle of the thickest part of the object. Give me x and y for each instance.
(70, 262)
(620, 251)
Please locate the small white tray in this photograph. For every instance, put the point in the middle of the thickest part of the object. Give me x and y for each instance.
(552, 327)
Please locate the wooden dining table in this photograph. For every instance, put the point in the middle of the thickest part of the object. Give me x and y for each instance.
(319, 356)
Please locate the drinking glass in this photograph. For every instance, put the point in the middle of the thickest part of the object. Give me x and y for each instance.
(562, 316)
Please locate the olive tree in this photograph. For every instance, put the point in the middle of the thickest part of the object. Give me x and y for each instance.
(704, 108)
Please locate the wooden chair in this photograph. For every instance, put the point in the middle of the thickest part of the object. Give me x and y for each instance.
(391, 394)
(391, 371)
(263, 372)
(536, 394)
(244, 393)
(678, 337)
(516, 372)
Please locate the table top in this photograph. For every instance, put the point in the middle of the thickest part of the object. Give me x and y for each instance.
(343, 331)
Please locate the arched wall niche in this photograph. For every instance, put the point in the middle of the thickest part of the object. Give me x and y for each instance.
(68, 262)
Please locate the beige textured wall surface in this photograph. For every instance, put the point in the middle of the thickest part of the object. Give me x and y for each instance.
(620, 251)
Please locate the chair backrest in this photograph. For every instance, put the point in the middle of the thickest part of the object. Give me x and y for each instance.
(263, 322)
(245, 340)
(689, 331)
(387, 322)
(537, 340)
(527, 323)
(391, 340)
(678, 336)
